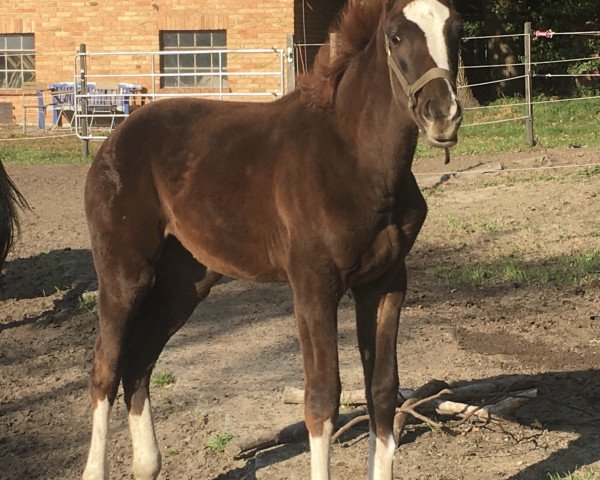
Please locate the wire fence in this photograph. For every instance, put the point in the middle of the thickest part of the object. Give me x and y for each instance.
(482, 172)
(526, 69)
(526, 74)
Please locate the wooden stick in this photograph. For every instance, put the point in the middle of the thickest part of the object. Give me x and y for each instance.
(344, 428)
(425, 397)
(466, 392)
(491, 388)
(508, 405)
(417, 397)
(503, 408)
(295, 432)
(445, 407)
(296, 396)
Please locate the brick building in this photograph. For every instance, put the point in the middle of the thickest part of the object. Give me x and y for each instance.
(39, 39)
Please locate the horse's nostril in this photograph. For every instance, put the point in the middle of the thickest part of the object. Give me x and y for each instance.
(427, 110)
(458, 113)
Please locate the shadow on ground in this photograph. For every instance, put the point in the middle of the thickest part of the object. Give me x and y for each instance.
(567, 402)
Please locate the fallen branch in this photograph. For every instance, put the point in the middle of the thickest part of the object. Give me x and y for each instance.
(426, 398)
(503, 408)
(344, 428)
(491, 388)
(420, 396)
(413, 400)
(296, 396)
(497, 387)
(295, 432)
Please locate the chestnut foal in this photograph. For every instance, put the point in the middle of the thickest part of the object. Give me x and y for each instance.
(314, 189)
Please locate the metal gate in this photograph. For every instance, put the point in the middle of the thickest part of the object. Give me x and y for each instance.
(98, 99)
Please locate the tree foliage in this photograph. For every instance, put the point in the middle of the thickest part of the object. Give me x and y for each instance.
(493, 17)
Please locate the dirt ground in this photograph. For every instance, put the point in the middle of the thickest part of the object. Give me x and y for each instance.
(239, 349)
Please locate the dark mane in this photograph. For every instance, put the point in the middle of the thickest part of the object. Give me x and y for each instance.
(355, 28)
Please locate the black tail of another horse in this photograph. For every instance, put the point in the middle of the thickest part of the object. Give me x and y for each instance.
(10, 200)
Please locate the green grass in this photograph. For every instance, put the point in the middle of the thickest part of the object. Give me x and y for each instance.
(589, 172)
(453, 223)
(479, 223)
(572, 269)
(465, 274)
(555, 125)
(162, 379)
(218, 443)
(171, 452)
(431, 192)
(514, 179)
(487, 225)
(87, 302)
(551, 177)
(45, 151)
(28, 156)
(52, 274)
(588, 474)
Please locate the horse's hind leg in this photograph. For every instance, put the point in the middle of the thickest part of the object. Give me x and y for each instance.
(125, 276)
(181, 283)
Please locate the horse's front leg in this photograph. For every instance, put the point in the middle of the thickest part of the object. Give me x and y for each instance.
(316, 300)
(377, 317)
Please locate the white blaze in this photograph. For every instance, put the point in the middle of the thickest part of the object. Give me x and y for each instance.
(431, 16)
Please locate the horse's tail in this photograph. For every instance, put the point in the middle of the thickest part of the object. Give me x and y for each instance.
(10, 199)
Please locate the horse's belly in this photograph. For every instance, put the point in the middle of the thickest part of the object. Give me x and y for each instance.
(233, 250)
(243, 269)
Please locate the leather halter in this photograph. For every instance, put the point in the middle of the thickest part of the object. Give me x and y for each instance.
(411, 89)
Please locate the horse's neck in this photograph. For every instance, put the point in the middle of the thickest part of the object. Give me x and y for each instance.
(382, 133)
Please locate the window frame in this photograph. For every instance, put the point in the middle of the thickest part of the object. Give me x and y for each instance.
(191, 68)
(22, 56)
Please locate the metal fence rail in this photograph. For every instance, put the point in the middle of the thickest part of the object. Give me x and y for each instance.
(99, 103)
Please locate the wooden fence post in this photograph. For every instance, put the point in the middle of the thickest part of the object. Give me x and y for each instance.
(529, 136)
(291, 65)
(85, 143)
(333, 45)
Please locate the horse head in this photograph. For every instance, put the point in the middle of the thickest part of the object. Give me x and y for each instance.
(421, 39)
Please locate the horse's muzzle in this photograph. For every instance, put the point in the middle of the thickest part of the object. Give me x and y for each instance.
(439, 119)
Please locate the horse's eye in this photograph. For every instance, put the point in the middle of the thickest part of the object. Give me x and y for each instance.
(396, 39)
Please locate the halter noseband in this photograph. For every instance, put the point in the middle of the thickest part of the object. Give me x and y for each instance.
(411, 89)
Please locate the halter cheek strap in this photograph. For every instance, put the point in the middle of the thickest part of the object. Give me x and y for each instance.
(411, 89)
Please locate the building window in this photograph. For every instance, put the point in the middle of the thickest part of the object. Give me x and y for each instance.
(17, 60)
(197, 69)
